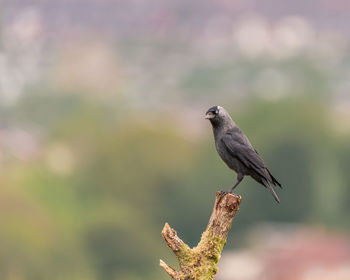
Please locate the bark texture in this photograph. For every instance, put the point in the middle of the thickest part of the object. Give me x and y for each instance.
(199, 263)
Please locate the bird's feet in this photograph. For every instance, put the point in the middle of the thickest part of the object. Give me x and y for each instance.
(223, 193)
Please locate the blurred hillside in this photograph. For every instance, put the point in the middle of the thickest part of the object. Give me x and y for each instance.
(129, 18)
(102, 133)
(289, 252)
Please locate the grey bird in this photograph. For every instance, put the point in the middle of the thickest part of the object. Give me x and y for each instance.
(237, 152)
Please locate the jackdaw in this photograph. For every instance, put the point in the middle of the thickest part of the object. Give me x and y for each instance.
(237, 152)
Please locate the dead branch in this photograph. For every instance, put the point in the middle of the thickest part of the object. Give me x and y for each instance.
(200, 262)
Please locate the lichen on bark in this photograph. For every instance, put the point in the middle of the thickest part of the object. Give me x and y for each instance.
(200, 262)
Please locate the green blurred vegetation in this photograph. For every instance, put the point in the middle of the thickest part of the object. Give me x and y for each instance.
(117, 154)
(134, 171)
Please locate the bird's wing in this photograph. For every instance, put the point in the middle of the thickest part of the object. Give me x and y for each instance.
(238, 136)
(238, 145)
(238, 148)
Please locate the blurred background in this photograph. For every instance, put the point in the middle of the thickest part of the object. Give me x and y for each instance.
(103, 137)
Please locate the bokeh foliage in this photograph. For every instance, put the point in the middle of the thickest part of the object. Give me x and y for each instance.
(134, 171)
(121, 146)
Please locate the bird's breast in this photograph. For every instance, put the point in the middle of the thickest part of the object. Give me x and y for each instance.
(231, 161)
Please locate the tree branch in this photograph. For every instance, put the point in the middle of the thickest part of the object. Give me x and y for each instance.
(200, 262)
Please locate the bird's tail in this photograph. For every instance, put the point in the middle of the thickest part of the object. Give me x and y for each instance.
(274, 180)
(273, 192)
(270, 188)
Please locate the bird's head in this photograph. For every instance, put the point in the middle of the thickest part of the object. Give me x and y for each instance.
(212, 112)
(217, 115)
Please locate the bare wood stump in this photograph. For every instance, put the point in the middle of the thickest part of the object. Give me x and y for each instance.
(200, 262)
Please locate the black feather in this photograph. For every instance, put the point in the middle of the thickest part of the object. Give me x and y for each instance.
(213, 109)
(238, 153)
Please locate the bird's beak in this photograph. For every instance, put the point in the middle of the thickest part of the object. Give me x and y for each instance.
(209, 115)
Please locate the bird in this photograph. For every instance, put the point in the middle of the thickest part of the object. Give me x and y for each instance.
(237, 152)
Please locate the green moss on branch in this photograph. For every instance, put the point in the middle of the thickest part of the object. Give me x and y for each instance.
(200, 262)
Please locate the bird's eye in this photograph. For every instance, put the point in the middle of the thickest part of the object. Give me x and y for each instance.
(216, 112)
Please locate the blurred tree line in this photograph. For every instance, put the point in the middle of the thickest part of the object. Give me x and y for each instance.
(92, 202)
(111, 162)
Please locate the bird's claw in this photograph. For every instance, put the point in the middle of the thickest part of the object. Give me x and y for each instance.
(223, 193)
